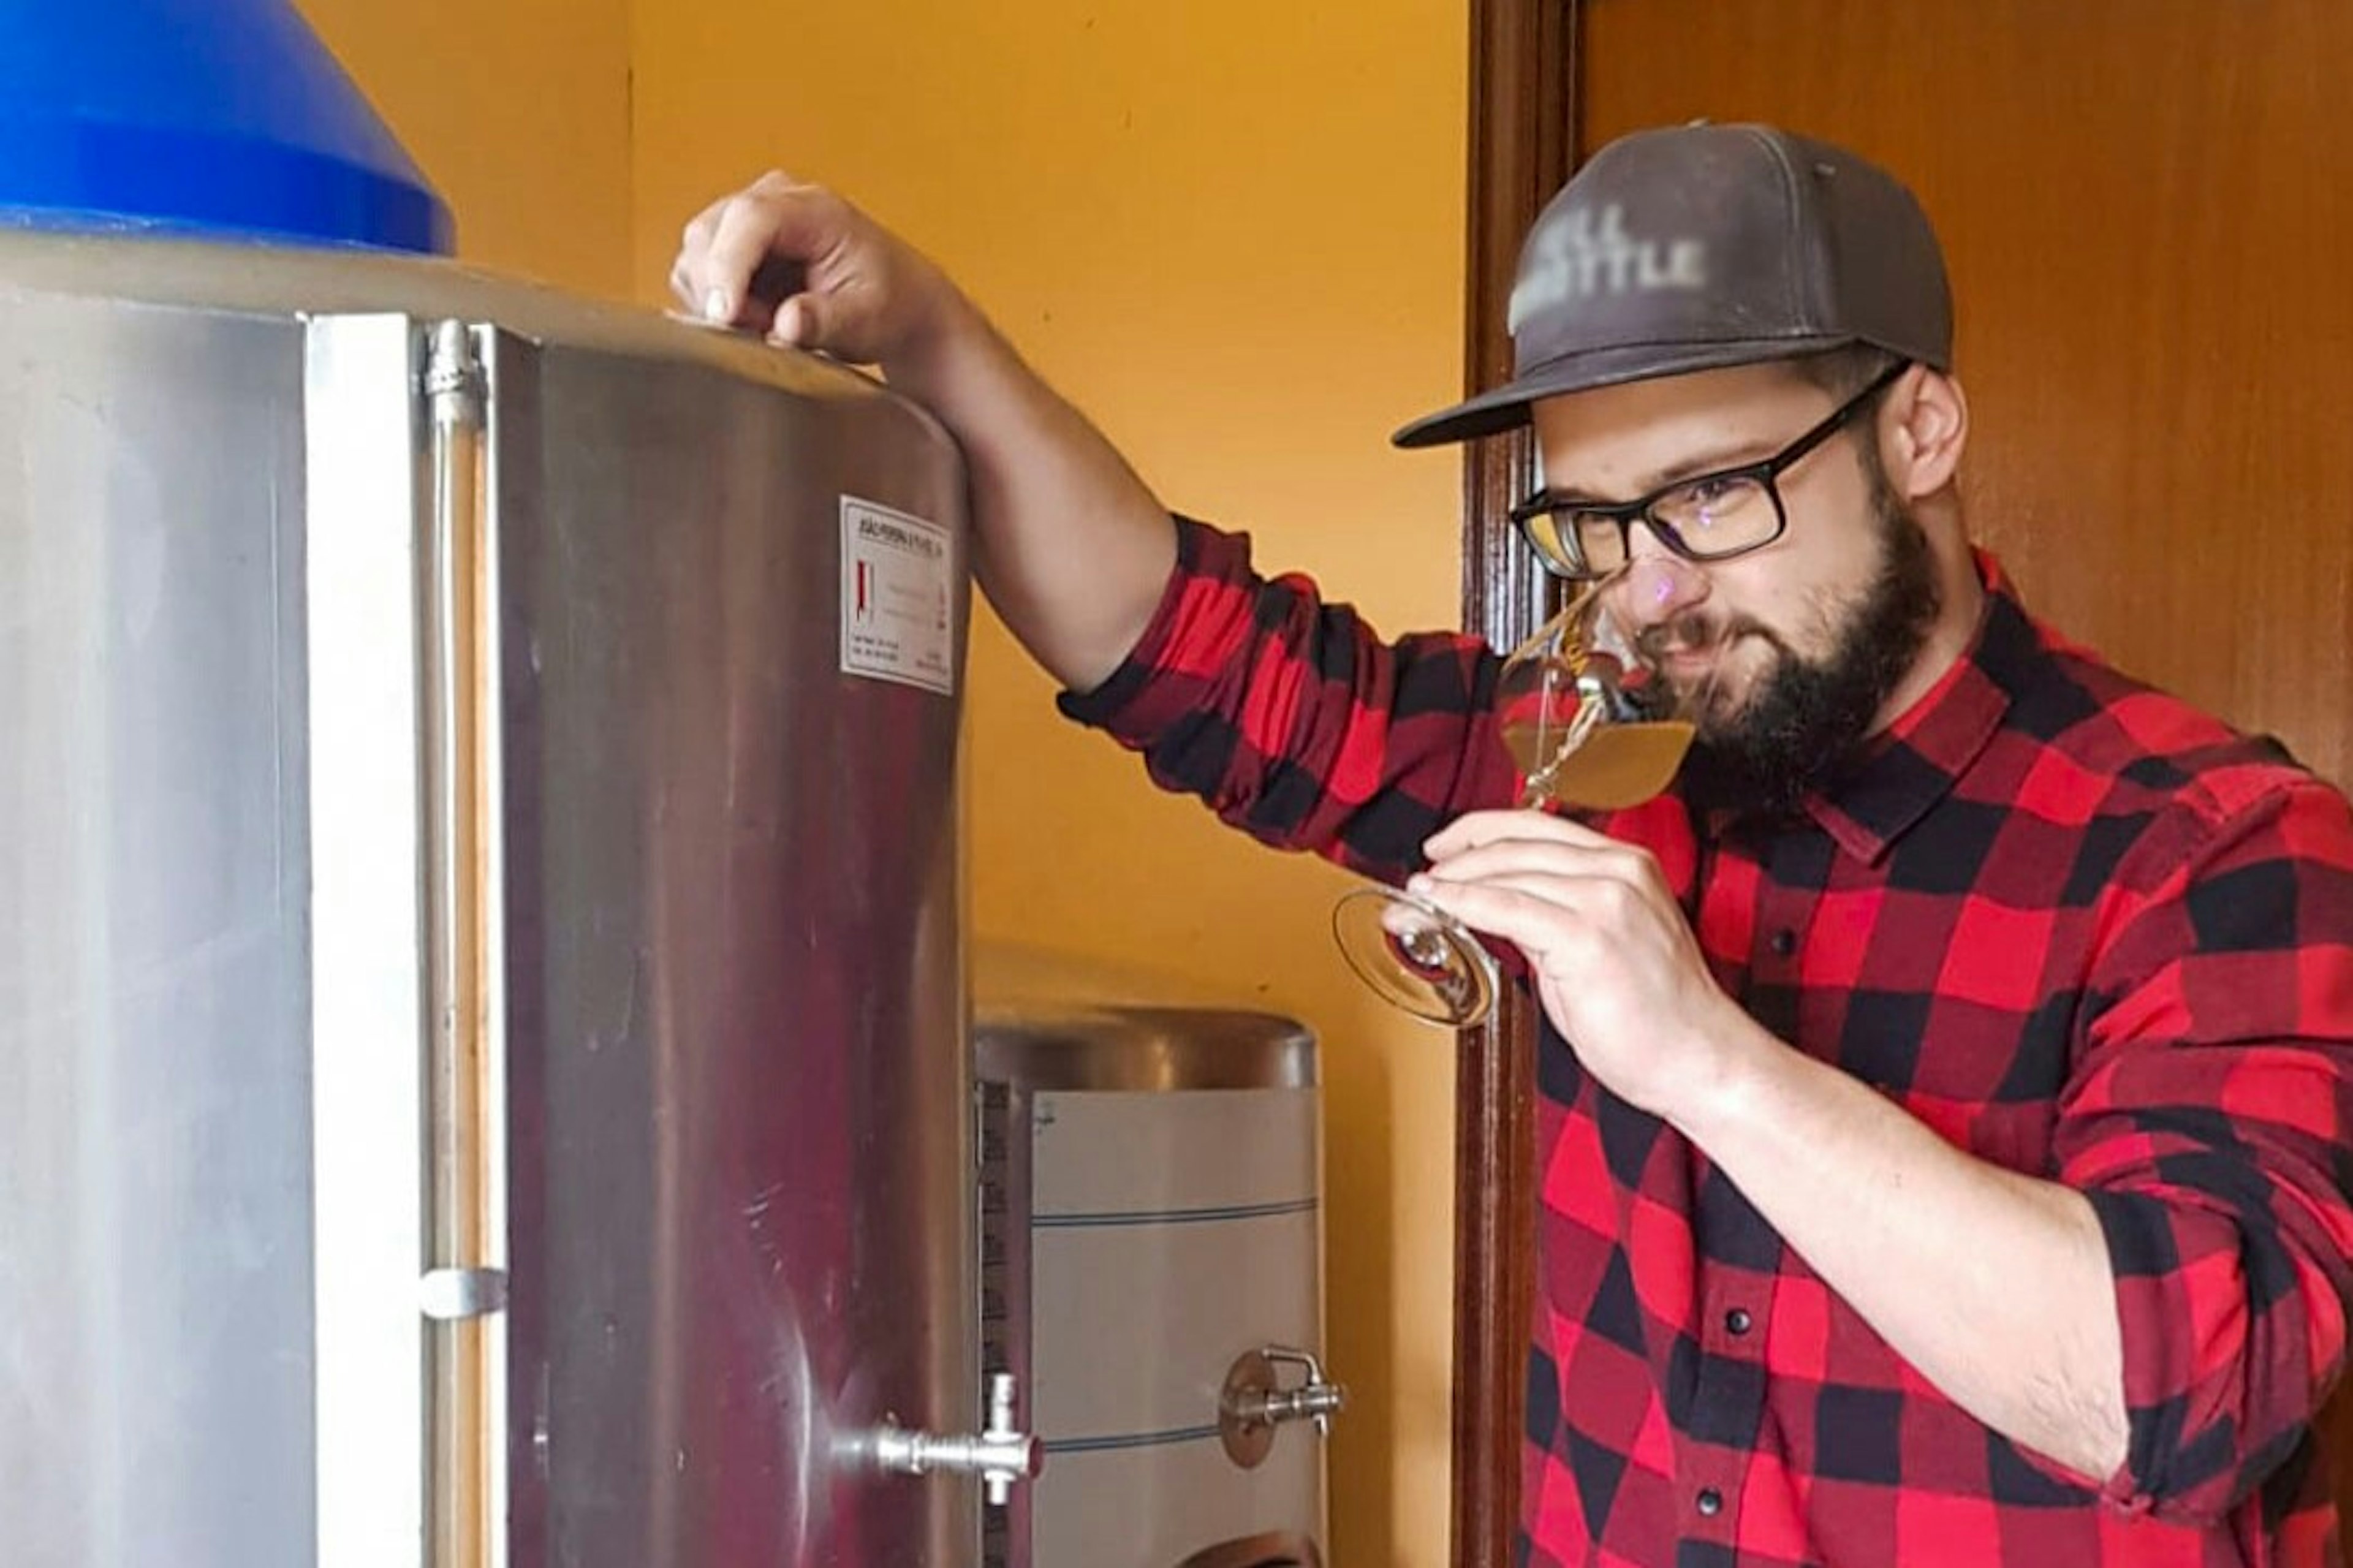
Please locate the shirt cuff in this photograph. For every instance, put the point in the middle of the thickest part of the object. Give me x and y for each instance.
(1102, 707)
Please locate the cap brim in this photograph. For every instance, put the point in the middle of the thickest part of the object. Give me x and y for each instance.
(1506, 407)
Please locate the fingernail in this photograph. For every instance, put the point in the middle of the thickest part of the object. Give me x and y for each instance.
(715, 307)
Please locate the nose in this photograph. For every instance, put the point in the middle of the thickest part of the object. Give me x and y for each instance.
(1660, 585)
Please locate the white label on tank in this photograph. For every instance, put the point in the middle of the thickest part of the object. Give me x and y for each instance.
(898, 598)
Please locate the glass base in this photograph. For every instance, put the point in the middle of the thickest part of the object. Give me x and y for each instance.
(1416, 957)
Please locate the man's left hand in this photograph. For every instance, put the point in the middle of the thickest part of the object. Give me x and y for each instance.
(1615, 963)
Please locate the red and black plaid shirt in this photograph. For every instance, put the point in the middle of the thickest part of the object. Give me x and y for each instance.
(2079, 928)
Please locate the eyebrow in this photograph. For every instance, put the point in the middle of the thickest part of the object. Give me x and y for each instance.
(1737, 456)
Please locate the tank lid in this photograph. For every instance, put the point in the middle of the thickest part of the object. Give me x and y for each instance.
(1055, 1021)
(223, 119)
(1143, 1050)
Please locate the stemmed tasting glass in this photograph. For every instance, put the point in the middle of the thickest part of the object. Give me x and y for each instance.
(1587, 725)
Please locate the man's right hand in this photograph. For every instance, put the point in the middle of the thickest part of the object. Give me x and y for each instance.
(799, 264)
(1073, 549)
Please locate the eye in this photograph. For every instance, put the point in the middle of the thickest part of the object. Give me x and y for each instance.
(1711, 495)
(1716, 505)
(1601, 541)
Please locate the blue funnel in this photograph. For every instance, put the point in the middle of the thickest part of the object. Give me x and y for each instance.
(221, 119)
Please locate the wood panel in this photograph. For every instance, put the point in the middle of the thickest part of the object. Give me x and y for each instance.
(2148, 207)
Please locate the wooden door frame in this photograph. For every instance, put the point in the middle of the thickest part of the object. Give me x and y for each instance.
(1523, 76)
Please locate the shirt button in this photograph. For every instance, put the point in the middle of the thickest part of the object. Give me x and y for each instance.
(1711, 1501)
(1737, 1321)
(1785, 942)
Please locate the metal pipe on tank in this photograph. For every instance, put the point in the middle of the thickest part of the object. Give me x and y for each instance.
(460, 1289)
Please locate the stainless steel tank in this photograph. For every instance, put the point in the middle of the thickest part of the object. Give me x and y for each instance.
(1151, 1237)
(481, 1061)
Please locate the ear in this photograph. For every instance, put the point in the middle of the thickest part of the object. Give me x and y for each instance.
(1923, 427)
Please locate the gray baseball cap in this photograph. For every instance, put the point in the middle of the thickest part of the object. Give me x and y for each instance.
(1696, 246)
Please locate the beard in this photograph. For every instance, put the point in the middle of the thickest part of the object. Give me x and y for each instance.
(1805, 721)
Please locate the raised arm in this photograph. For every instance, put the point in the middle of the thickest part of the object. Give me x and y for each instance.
(1073, 549)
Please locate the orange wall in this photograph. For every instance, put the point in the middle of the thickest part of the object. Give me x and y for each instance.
(1233, 233)
(518, 110)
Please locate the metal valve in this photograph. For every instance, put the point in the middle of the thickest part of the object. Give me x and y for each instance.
(999, 1455)
(1254, 1402)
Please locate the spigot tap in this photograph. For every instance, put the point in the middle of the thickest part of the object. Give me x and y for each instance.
(1001, 1454)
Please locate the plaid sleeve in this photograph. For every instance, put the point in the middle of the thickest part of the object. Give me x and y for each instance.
(2207, 1121)
(1294, 722)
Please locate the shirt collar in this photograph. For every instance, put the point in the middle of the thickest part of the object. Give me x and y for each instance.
(1913, 762)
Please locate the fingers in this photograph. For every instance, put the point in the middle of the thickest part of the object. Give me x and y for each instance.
(728, 265)
(800, 322)
(748, 228)
(693, 249)
(1548, 918)
(1473, 829)
(1505, 848)
(1513, 877)
(1600, 897)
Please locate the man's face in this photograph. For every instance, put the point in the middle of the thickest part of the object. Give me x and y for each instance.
(1788, 653)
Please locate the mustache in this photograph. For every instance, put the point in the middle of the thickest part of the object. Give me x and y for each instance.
(1698, 633)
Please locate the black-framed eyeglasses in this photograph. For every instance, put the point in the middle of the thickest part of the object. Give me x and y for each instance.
(1710, 518)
